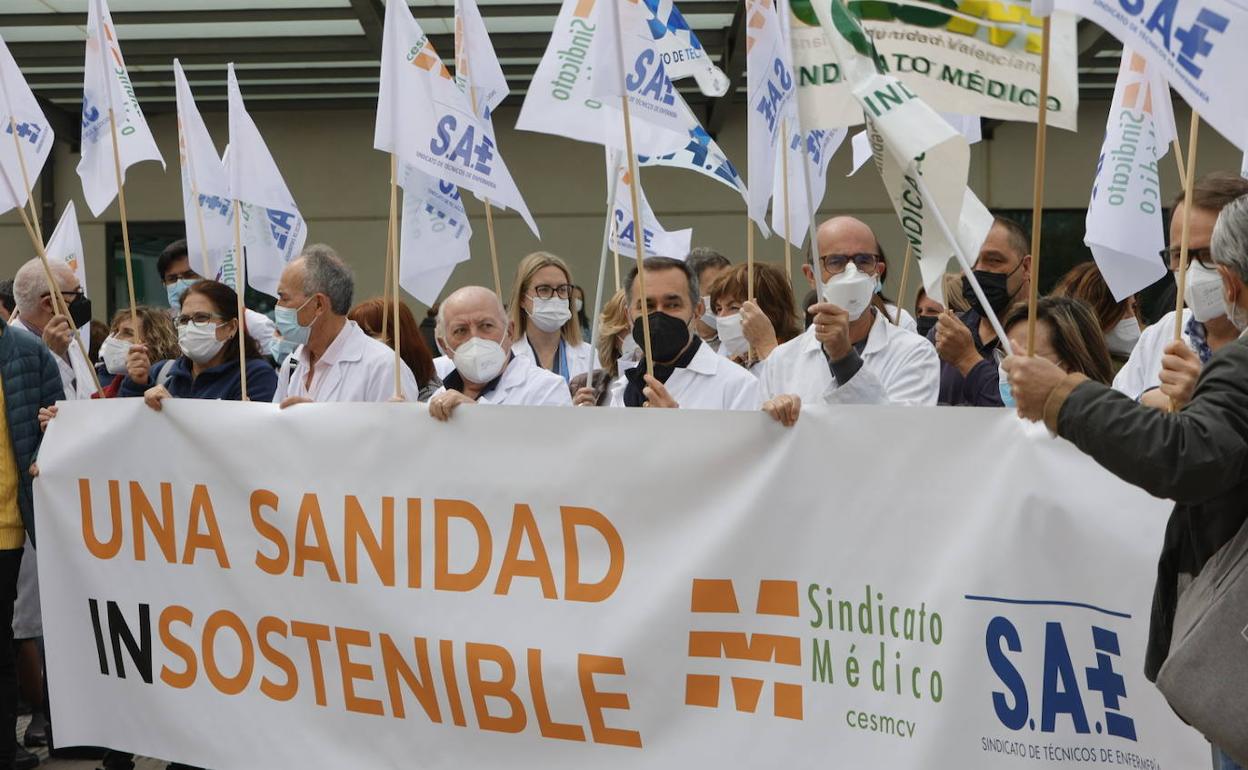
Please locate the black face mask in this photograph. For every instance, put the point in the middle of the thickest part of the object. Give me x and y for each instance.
(926, 324)
(668, 336)
(996, 290)
(80, 311)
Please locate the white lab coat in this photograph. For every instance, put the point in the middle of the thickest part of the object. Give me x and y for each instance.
(580, 357)
(523, 383)
(709, 382)
(355, 367)
(76, 377)
(898, 367)
(1143, 369)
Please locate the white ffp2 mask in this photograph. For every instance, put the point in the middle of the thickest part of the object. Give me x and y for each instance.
(479, 360)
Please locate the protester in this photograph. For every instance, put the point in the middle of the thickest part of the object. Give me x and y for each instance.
(473, 327)
(968, 346)
(579, 310)
(1067, 333)
(7, 303)
(547, 331)
(39, 314)
(1197, 457)
(615, 345)
(1205, 328)
(687, 373)
(208, 367)
(30, 382)
(707, 265)
(852, 353)
(98, 333)
(174, 267)
(370, 314)
(926, 313)
(335, 360)
(750, 330)
(156, 331)
(1119, 321)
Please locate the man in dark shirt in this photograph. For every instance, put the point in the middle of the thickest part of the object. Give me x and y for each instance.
(967, 343)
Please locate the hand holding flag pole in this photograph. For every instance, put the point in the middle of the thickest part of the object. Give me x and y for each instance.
(1185, 238)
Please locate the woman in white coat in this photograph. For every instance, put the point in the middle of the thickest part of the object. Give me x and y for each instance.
(541, 314)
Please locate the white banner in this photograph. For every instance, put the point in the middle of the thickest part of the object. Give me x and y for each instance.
(963, 56)
(656, 241)
(762, 608)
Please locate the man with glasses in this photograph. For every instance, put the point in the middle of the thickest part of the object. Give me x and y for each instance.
(852, 353)
(970, 352)
(40, 314)
(1161, 372)
(174, 267)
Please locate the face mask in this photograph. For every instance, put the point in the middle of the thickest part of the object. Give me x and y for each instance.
(1122, 338)
(851, 291)
(708, 316)
(996, 288)
(630, 350)
(732, 336)
(1007, 397)
(174, 292)
(1204, 293)
(113, 353)
(199, 341)
(80, 311)
(286, 319)
(549, 315)
(668, 336)
(479, 360)
(579, 305)
(926, 323)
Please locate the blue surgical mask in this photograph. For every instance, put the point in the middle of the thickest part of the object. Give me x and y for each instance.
(1007, 397)
(283, 348)
(175, 291)
(286, 319)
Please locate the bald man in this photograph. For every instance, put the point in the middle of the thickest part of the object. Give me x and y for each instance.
(474, 330)
(852, 353)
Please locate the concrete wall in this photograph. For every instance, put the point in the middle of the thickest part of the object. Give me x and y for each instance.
(341, 185)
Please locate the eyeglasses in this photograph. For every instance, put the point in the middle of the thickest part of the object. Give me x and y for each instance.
(836, 263)
(1172, 255)
(198, 319)
(543, 291)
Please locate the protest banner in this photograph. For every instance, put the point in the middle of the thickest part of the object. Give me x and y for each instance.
(962, 56)
(459, 595)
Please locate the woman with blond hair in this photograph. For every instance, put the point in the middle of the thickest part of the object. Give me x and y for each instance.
(545, 328)
(155, 330)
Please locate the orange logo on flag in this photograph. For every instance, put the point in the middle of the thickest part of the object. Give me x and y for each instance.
(776, 598)
(1131, 95)
(754, 22)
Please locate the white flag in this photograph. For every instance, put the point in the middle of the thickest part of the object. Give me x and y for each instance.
(65, 245)
(106, 87)
(425, 120)
(206, 206)
(820, 146)
(682, 52)
(656, 241)
(912, 145)
(562, 100)
(19, 106)
(1198, 47)
(434, 234)
(272, 228)
(1124, 224)
(770, 88)
(476, 65)
(703, 155)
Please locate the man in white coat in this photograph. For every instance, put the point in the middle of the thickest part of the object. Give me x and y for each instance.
(688, 374)
(335, 360)
(852, 353)
(474, 330)
(37, 314)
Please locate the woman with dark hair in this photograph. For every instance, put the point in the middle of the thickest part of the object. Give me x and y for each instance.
(752, 329)
(1067, 333)
(370, 316)
(208, 367)
(1119, 321)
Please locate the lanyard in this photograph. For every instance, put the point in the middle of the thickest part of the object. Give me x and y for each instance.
(560, 364)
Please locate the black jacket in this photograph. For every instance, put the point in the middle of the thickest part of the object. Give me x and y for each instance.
(1198, 458)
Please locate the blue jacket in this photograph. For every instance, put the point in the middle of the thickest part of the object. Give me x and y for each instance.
(220, 382)
(31, 380)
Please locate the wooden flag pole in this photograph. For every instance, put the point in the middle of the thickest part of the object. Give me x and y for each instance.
(125, 238)
(199, 213)
(1037, 211)
(385, 291)
(394, 278)
(905, 280)
(784, 173)
(641, 242)
(1178, 161)
(1184, 240)
(749, 258)
(615, 255)
(240, 287)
